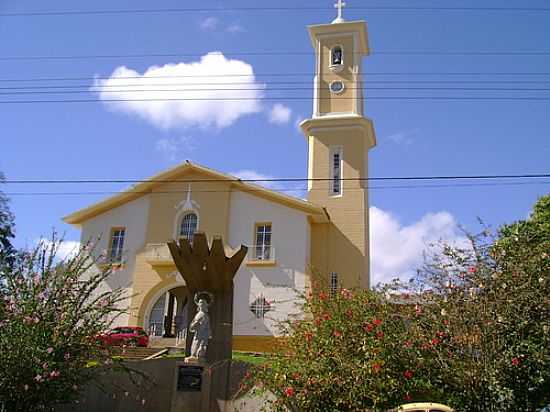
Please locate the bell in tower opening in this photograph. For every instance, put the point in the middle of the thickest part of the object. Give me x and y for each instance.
(336, 56)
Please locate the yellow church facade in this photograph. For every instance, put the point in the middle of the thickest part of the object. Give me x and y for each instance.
(289, 238)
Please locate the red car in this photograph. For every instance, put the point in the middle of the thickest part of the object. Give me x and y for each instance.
(131, 336)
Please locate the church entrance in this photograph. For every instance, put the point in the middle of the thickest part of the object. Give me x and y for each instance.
(168, 315)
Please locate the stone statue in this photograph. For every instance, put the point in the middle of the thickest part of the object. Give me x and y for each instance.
(200, 326)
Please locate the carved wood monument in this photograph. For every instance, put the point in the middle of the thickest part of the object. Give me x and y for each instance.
(208, 274)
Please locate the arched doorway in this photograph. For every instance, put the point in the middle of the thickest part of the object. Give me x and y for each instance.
(168, 315)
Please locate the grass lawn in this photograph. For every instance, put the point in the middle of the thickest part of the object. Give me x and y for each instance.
(240, 356)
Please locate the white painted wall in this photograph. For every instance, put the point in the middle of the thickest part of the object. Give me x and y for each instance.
(290, 239)
(133, 216)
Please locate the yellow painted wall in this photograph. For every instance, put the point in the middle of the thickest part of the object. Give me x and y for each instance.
(343, 102)
(341, 246)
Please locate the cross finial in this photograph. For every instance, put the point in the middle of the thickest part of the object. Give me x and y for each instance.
(340, 4)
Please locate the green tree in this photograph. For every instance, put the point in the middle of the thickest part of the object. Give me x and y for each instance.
(7, 232)
(51, 313)
(494, 296)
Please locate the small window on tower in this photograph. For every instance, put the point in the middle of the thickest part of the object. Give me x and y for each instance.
(336, 56)
(336, 168)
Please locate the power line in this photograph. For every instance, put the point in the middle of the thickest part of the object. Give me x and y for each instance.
(286, 98)
(264, 9)
(254, 75)
(308, 83)
(266, 89)
(291, 190)
(276, 54)
(289, 179)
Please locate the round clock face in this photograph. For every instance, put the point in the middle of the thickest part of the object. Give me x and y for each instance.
(337, 86)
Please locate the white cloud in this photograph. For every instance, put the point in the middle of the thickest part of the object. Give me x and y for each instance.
(210, 23)
(280, 114)
(404, 137)
(397, 250)
(183, 95)
(235, 28)
(264, 180)
(67, 249)
(172, 148)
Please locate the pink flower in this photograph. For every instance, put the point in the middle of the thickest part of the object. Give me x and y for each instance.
(346, 294)
(289, 391)
(45, 365)
(67, 356)
(472, 269)
(337, 333)
(49, 350)
(326, 316)
(38, 378)
(407, 344)
(408, 374)
(515, 361)
(54, 374)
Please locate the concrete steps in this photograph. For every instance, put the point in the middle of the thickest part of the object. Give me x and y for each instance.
(138, 353)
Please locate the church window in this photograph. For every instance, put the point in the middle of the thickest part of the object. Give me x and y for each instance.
(333, 283)
(262, 247)
(336, 171)
(188, 226)
(337, 87)
(116, 247)
(260, 307)
(336, 56)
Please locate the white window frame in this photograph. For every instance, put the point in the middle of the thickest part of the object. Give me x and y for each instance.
(264, 250)
(180, 225)
(116, 244)
(334, 178)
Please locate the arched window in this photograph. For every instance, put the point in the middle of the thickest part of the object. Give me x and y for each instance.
(188, 226)
(336, 56)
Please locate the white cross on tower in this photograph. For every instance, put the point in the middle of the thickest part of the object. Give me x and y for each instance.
(339, 5)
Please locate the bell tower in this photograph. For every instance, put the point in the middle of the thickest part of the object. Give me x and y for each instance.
(339, 139)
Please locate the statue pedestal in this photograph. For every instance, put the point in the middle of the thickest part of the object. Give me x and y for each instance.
(192, 391)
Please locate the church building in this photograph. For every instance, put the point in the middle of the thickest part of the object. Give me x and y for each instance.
(288, 238)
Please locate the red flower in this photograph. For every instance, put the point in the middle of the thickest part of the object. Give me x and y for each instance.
(289, 391)
(408, 374)
(317, 321)
(408, 344)
(309, 336)
(337, 333)
(376, 367)
(368, 327)
(435, 341)
(326, 316)
(407, 396)
(322, 296)
(515, 361)
(445, 321)
(377, 322)
(349, 313)
(380, 335)
(473, 269)
(346, 294)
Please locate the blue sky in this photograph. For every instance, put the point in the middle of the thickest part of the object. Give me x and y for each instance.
(95, 140)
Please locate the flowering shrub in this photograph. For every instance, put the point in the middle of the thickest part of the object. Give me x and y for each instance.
(493, 299)
(355, 350)
(51, 312)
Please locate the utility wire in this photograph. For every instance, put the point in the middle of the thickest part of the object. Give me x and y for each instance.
(308, 83)
(290, 190)
(287, 98)
(264, 9)
(277, 54)
(255, 75)
(289, 179)
(266, 89)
